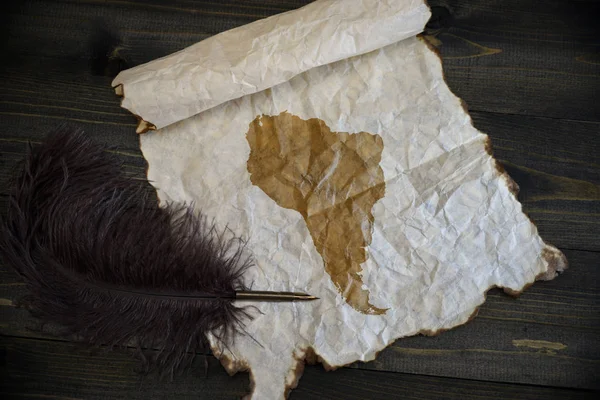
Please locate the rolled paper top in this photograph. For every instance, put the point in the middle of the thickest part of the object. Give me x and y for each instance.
(260, 55)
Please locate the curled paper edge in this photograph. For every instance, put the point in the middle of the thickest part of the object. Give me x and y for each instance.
(273, 50)
(143, 125)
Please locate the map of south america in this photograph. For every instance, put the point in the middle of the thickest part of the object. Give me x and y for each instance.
(332, 179)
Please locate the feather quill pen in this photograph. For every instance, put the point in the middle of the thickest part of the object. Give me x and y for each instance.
(102, 259)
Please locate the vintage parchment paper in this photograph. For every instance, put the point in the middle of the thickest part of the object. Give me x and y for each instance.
(445, 228)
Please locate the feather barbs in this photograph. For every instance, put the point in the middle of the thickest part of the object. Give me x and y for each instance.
(101, 258)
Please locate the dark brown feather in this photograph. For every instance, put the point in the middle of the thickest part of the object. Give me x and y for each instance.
(102, 259)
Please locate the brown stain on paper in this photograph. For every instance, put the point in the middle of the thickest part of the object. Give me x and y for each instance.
(332, 179)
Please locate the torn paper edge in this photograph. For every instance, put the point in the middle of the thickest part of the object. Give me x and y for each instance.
(555, 260)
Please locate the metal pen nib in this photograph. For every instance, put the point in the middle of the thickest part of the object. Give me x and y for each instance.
(273, 296)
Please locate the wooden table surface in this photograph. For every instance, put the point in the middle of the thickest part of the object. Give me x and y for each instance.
(529, 72)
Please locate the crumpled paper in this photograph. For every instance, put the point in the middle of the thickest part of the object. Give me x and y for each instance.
(263, 54)
(328, 138)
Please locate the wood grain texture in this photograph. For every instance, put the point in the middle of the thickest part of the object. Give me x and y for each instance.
(523, 57)
(557, 167)
(564, 311)
(529, 72)
(56, 370)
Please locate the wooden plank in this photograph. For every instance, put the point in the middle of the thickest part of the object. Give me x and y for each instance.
(522, 56)
(550, 335)
(502, 347)
(558, 173)
(56, 370)
(13, 150)
(560, 207)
